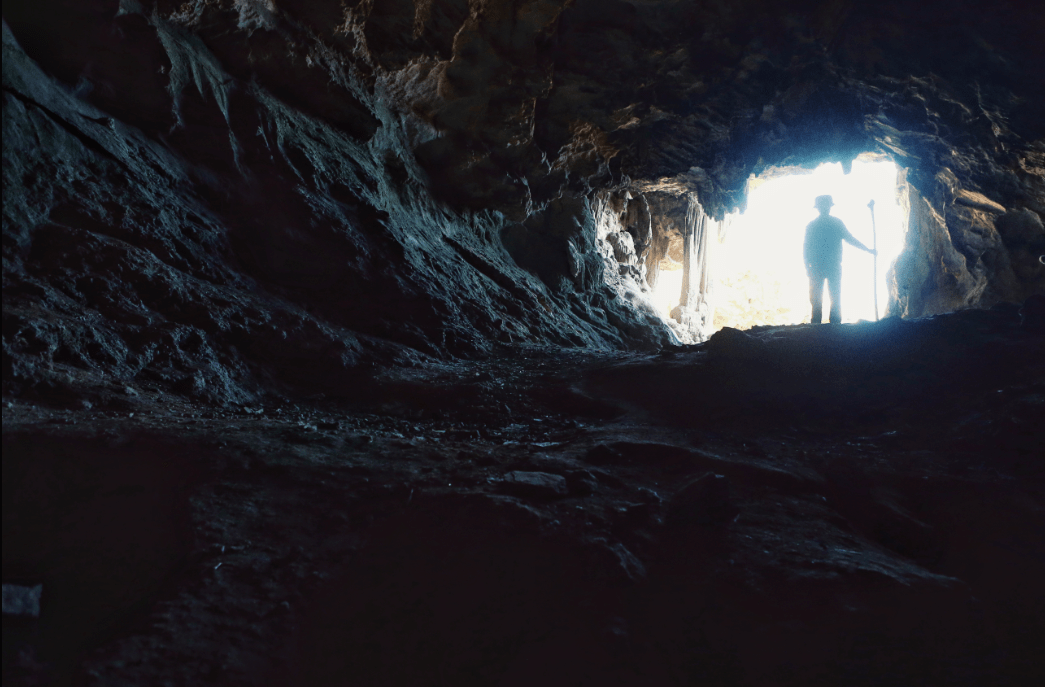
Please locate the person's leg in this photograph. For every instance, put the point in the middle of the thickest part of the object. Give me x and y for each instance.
(834, 287)
(816, 296)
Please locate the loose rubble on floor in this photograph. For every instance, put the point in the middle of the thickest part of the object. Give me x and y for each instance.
(855, 504)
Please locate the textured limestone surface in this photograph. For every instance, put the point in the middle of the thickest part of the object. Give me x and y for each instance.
(214, 195)
(328, 356)
(254, 246)
(859, 505)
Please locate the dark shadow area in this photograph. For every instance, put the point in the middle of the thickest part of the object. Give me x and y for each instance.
(561, 518)
(327, 357)
(463, 592)
(103, 525)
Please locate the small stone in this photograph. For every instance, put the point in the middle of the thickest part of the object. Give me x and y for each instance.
(484, 460)
(637, 512)
(603, 455)
(729, 344)
(704, 501)
(22, 601)
(581, 482)
(540, 485)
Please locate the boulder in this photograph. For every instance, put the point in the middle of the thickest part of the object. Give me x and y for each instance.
(535, 485)
(704, 501)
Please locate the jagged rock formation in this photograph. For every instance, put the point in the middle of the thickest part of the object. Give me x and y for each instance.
(379, 181)
(264, 237)
(797, 505)
(328, 356)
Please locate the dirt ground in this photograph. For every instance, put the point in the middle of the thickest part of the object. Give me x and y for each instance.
(835, 505)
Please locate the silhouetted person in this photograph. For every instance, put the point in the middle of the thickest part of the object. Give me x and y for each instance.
(823, 255)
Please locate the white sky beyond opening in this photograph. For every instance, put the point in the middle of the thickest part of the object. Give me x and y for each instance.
(757, 271)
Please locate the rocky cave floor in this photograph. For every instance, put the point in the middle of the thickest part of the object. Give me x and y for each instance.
(854, 504)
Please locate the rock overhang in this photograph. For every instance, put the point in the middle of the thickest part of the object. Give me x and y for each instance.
(452, 162)
(580, 95)
(254, 236)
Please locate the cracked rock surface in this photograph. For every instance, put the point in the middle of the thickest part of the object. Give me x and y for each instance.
(214, 194)
(556, 518)
(328, 356)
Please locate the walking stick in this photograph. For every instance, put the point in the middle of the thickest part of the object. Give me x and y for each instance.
(874, 246)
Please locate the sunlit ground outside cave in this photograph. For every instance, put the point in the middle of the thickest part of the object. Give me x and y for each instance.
(757, 271)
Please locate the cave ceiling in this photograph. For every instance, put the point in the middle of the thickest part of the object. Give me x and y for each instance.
(257, 183)
(505, 104)
(329, 356)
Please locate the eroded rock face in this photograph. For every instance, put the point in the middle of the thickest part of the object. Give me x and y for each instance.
(851, 505)
(288, 293)
(218, 241)
(212, 196)
(964, 250)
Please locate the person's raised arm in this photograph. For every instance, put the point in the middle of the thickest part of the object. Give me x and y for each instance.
(848, 236)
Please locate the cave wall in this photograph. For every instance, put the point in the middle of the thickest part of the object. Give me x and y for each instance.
(211, 196)
(636, 231)
(217, 241)
(963, 250)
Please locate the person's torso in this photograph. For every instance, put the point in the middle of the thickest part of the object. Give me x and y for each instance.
(824, 237)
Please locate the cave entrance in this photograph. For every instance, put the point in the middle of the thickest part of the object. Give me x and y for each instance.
(757, 264)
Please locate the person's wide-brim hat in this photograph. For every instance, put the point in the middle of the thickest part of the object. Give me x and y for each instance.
(823, 200)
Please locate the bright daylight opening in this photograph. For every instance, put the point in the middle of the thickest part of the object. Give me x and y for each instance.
(757, 271)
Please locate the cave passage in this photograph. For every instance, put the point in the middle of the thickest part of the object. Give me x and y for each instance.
(666, 294)
(328, 353)
(756, 265)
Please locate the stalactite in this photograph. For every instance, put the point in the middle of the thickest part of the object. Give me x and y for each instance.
(694, 309)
